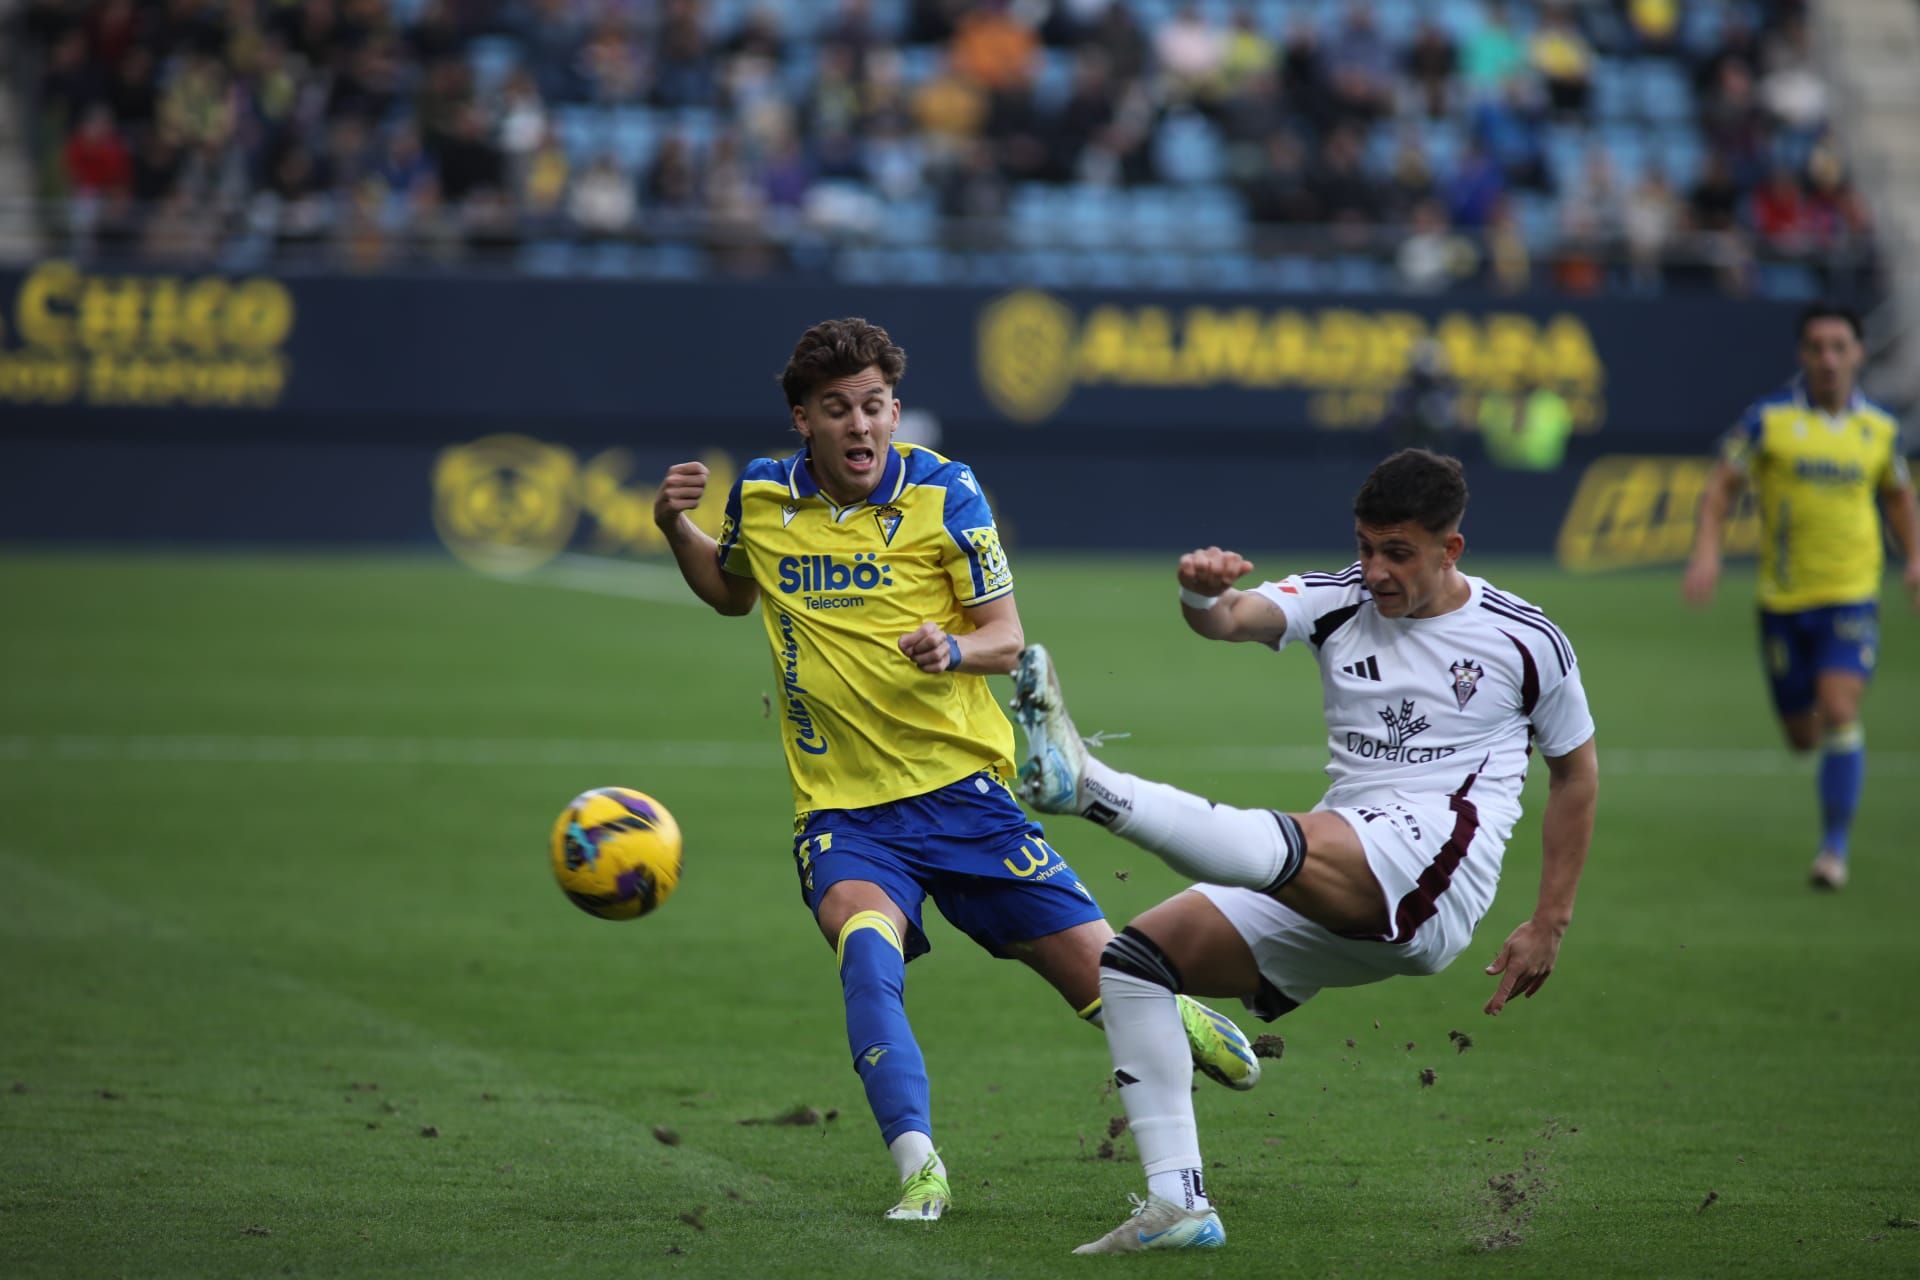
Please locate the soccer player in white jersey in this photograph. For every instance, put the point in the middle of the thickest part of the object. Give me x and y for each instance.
(1438, 688)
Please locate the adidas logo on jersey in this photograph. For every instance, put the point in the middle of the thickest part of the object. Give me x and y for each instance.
(1368, 668)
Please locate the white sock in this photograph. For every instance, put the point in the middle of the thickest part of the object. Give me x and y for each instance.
(1181, 1186)
(910, 1151)
(1208, 843)
(1155, 1070)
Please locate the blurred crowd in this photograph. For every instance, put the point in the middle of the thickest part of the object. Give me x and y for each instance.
(1474, 141)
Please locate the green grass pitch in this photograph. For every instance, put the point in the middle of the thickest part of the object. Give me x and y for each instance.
(289, 991)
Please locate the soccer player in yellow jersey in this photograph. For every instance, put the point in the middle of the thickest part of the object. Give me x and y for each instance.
(887, 601)
(1818, 455)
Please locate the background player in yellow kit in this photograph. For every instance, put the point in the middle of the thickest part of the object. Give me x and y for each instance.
(1818, 454)
(887, 601)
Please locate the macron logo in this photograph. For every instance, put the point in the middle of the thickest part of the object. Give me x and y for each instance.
(787, 514)
(966, 478)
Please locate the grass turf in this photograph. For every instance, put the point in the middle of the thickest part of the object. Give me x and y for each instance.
(289, 991)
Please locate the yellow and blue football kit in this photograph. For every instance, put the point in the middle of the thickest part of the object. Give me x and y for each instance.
(1817, 476)
(897, 774)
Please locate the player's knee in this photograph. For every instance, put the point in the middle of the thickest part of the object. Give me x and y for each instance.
(1803, 733)
(1134, 954)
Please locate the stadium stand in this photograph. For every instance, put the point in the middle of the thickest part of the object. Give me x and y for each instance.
(1645, 145)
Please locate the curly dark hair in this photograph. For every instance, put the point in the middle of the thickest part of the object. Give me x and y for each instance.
(1827, 311)
(1418, 485)
(839, 349)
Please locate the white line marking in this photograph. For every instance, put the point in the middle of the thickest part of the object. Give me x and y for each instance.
(81, 748)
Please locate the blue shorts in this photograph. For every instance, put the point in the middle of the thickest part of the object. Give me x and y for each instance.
(987, 865)
(1798, 647)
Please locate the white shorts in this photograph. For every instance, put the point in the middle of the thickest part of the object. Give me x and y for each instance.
(1437, 871)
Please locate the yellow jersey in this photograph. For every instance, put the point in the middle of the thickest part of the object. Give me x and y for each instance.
(1815, 476)
(860, 723)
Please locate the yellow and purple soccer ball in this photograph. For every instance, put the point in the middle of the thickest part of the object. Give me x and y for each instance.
(616, 853)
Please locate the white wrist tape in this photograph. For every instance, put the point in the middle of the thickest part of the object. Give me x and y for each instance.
(1194, 600)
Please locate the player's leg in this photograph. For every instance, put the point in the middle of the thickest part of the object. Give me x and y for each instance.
(869, 933)
(1313, 862)
(1843, 770)
(1789, 656)
(1184, 943)
(1070, 962)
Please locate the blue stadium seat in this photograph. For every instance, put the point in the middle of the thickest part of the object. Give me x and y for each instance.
(633, 136)
(1613, 90)
(613, 261)
(919, 61)
(1664, 94)
(1629, 149)
(493, 59)
(912, 221)
(1291, 274)
(584, 131)
(1187, 149)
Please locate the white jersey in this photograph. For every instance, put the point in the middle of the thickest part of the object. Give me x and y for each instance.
(1425, 708)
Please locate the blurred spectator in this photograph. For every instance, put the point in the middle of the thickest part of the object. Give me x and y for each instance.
(1432, 256)
(1423, 411)
(1509, 262)
(1360, 66)
(1304, 77)
(1835, 211)
(1792, 90)
(950, 109)
(1430, 64)
(98, 163)
(1251, 57)
(683, 68)
(1781, 214)
(1511, 128)
(1191, 52)
(1119, 38)
(468, 161)
(1655, 24)
(1714, 202)
(1475, 188)
(1492, 54)
(1411, 182)
(1341, 190)
(603, 201)
(1650, 220)
(1565, 63)
(1278, 192)
(1593, 213)
(994, 49)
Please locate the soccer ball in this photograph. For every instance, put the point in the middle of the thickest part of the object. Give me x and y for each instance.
(616, 853)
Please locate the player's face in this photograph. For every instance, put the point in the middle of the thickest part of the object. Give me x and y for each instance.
(1407, 567)
(848, 424)
(1830, 356)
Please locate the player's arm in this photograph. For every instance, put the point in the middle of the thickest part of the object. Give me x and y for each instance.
(696, 553)
(1722, 490)
(1709, 530)
(1566, 832)
(1209, 575)
(992, 648)
(1901, 510)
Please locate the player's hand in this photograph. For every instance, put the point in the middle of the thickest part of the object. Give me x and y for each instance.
(681, 490)
(1525, 960)
(1703, 574)
(1212, 571)
(927, 646)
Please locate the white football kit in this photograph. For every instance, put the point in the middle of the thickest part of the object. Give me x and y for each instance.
(1430, 723)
